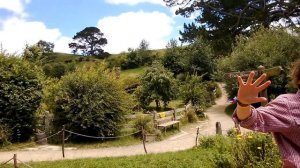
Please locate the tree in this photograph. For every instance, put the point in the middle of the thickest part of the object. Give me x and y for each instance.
(90, 41)
(198, 58)
(157, 84)
(32, 53)
(221, 21)
(172, 58)
(89, 101)
(46, 46)
(20, 96)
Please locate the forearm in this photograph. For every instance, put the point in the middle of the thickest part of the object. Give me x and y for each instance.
(243, 112)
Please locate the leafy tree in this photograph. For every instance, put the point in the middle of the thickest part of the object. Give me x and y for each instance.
(194, 91)
(198, 58)
(56, 70)
(46, 46)
(172, 58)
(157, 84)
(90, 41)
(89, 101)
(221, 21)
(32, 53)
(20, 96)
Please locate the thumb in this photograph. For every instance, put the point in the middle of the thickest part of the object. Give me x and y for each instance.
(261, 99)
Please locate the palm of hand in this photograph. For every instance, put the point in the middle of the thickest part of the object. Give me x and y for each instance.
(248, 91)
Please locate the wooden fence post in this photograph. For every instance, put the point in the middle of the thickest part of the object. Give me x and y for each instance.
(15, 161)
(144, 136)
(63, 141)
(218, 128)
(198, 129)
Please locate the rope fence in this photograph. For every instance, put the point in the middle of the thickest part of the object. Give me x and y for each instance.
(95, 137)
(15, 159)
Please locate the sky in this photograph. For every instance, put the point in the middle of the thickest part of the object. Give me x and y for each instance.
(125, 23)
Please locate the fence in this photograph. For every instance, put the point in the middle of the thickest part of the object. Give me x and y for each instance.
(63, 139)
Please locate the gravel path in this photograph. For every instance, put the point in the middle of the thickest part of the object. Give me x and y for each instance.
(185, 139)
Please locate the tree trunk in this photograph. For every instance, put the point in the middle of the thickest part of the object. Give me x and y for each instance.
(157, 104)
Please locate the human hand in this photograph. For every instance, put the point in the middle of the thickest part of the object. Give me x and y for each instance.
(248, 91)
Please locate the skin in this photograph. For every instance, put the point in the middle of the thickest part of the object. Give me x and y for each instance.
(248, 93)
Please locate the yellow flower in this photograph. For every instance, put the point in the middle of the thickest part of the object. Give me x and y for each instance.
(250, 136)
(259, 148)
(239, 135)
(239, 138)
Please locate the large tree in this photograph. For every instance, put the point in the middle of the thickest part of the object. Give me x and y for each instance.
(158, 85)
(90, 41)
(46, 46)
(222, 20)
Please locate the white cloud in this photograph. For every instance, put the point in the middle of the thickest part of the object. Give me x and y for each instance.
(128, 29)
(15, 6)
(16, 32)
(134, 2)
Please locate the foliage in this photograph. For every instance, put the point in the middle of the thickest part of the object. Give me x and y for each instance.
(172, 58)
(5, 134)
(89, 101)
(20, 96)
(138, 57)
(249, 150)
(56, 70)
(268, 48)
(32, 53)
(193, 90)
(157, 84)
(221, 21)
(145, 122)
(47, 47)
(90, 41)
(190, 116)
(198, 58)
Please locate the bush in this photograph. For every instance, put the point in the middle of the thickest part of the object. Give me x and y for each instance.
(190, 116)
(249, 150)
(20, 96)
(5, 135)
(89, 101)
(145, 122)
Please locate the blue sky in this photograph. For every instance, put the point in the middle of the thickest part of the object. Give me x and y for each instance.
(124, 22)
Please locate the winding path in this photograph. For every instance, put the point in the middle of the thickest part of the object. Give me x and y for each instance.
(185, 139)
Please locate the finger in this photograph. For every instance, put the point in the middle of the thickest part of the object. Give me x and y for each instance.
(260, 79)
(260, 99)
(263, 86)
(250, 77)
(240, 80)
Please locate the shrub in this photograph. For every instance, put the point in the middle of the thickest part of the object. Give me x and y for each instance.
(5, 135)
(249, 150)
(190, 116)
(89, 101)
(145, 122)
(20, 96)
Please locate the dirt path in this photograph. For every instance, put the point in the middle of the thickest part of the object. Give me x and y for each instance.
(181, 141)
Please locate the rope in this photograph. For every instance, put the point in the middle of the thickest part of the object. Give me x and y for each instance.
(6, 161)
(88, 136)
(48, 136)
(24, 164)
(30, 144)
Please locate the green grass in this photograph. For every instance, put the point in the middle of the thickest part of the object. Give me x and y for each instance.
(17, 146)
(189, 158)
(106, 144)
(172, 104)
(132, 73)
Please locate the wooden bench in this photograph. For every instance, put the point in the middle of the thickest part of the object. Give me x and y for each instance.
(165, 119)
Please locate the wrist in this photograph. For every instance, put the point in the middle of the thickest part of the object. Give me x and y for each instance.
(242, 104)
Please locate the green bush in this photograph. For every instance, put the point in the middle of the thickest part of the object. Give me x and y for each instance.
(249, 150)
(267, 47)
(89, 101)
(5, 135)
(20, 96)
(145, 122)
